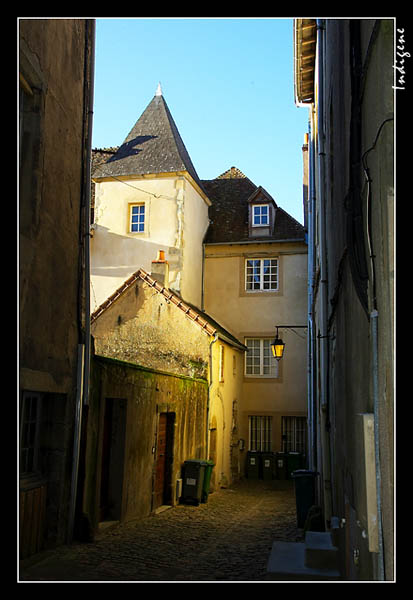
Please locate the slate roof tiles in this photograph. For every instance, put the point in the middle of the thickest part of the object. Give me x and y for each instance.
(154, 145)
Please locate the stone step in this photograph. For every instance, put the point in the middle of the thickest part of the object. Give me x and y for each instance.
(287, 562)
(320, 553)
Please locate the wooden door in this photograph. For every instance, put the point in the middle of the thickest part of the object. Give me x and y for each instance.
(163, 486)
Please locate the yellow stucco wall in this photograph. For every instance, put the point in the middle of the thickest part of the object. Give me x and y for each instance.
(141, 327)
(224, 399)
(255, 315)
(176, 217)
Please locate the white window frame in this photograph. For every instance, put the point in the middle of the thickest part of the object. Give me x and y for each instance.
(140, 222)
(260, 215)
(255, 268)
(265, 365)
(260, 433)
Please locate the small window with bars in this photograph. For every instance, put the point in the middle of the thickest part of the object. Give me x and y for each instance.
(294, 434)
(30, 414)
(260, 433)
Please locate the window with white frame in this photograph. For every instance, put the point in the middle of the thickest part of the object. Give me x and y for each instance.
(30, 413)
(260, 215)
(261, 274)
(260, 429)
(259, 360)
(137, 218)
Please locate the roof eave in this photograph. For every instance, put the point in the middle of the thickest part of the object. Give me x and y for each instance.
(305, 37)
(188, 176)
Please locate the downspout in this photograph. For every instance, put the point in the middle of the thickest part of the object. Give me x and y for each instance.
(87, 202)
(211, 372)
(374, 318)
(324, 405)
(83, 370)
(310, 337)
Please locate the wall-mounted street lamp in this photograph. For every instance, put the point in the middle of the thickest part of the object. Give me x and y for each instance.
(278, 345)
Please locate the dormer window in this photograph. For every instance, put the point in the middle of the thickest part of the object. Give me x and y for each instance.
(260, 215)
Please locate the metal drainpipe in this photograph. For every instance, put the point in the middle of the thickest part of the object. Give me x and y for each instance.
(310, 338)
(374, 337)
(323, 275)
(209, 392)
(83, 375)
(374, 320)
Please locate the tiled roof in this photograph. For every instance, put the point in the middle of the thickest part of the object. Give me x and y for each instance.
(154, 145)
(229, 194)
(204, 321)
(232, 173)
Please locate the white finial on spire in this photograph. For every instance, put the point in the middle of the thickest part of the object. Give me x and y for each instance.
(158, 90)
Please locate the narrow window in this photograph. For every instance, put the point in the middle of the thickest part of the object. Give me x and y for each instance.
(29, 432)
(137, 218)
(221, 363)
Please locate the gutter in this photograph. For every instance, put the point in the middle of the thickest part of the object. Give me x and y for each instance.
(211, 372)
(324, 404)
(83, 372)
(267, 241)
(312, 438)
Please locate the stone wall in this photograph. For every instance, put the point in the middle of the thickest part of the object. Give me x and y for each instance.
(145, 394)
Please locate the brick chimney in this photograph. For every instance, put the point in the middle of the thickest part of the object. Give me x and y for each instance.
(160, 269)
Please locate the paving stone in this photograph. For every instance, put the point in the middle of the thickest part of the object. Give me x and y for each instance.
(229, 538)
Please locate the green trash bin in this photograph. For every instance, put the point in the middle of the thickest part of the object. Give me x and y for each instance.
(294, 462)
(193, 481)
(304, 483)
(281, 465)
(209, 465)
(268, 465)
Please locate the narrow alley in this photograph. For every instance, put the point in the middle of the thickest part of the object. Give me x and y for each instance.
(229, 538)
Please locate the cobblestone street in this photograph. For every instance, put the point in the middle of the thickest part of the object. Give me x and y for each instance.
(229, 538)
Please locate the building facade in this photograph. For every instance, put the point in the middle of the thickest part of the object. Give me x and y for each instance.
(232, 252)
(54, 149)
(148, 197)
(255, 280)
(344, 75)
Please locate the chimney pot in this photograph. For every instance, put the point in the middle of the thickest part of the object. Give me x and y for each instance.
(160, 269)
(160, 257)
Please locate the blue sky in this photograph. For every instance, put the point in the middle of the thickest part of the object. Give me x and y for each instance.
(228, 84)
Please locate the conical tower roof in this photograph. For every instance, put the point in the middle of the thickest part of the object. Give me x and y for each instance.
(153, 146)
